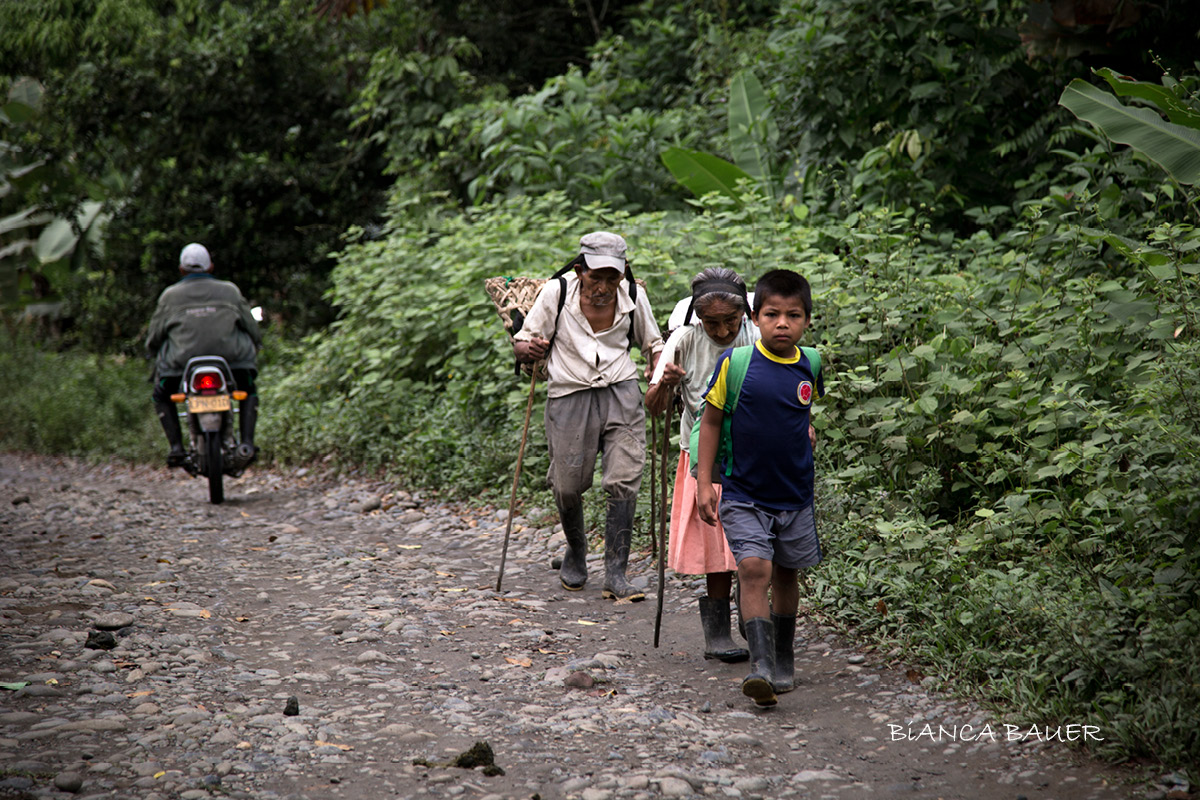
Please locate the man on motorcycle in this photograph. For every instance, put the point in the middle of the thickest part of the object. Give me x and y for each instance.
(198, 316)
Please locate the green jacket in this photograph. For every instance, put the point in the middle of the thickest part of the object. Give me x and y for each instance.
(202, 316)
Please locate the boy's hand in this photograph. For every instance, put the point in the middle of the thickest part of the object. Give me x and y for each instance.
(706, 502)
(812, 436)
(530, 350)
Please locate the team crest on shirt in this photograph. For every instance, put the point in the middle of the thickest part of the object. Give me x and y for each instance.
(804, 392)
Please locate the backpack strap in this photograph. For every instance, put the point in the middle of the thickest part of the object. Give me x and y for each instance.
(575, 262)
(814, 359)
(739, 365)
(632, 317)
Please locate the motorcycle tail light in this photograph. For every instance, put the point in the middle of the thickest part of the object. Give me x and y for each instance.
(207, 382)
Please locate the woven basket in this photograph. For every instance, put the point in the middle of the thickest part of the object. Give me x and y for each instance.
(512, 294)
(515, 295)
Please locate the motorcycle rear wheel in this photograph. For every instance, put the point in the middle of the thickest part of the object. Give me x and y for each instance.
(213, 467)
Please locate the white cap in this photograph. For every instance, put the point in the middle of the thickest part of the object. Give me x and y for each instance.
(195, 258)
(602, 250)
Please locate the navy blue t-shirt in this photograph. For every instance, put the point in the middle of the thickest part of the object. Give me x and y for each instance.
(772, 455)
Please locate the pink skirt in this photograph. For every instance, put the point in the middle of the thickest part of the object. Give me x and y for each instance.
(695, 547)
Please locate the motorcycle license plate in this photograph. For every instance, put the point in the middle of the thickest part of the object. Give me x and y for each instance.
(206, 404)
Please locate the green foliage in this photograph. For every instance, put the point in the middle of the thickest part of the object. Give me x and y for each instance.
(1012, 451)
(669, 54)
(403, 102)
(268, 187)
(76, 403)
(1174, 145)
(752, 136)
(571, 136)
(752, 132)
(592, 134)
(38, 249)
(932, 101)
(850, 76)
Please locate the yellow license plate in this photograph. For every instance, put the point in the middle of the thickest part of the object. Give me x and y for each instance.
(206, 404)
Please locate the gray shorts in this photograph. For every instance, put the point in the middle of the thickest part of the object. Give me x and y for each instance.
(785, 538)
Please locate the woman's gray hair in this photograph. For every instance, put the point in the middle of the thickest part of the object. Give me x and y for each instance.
(718, 284)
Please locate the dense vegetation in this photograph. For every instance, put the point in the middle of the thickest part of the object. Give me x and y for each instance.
(1006, 300)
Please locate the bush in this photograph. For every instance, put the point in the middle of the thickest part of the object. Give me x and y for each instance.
(76, 403)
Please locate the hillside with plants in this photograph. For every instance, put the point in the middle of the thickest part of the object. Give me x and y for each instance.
(995, 204)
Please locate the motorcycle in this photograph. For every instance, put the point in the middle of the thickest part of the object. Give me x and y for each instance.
(207, 392)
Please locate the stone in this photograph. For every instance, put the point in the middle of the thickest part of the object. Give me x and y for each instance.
(68, 782)
(810, 775)
(100, 640)
(579, 680)
(674, 787)
(113, 621)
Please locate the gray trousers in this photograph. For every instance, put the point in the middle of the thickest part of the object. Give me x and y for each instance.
(576, 426)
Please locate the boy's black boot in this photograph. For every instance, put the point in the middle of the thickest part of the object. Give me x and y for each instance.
(718, 644)
(573, 572)
(759, 684)
(168, 415)
(785, 655)
(618, 531)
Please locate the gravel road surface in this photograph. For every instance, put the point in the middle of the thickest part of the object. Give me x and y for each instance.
(320, 637)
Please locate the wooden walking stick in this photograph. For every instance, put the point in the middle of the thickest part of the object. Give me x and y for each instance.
(512, 502)
(662, 530)
(653, 485)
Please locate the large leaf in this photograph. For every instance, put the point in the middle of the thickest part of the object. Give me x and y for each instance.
(57, 240)
(24, 100)
(23, 219)
(1173, 147)
(747, 110)
(702, 173)
(1176, 110)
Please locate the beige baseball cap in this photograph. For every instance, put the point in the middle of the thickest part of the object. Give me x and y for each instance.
(603, 250)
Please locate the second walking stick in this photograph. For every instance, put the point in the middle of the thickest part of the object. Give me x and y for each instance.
(512, 502)
(664, 517)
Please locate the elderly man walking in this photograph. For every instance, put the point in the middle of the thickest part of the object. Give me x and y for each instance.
(587, 324)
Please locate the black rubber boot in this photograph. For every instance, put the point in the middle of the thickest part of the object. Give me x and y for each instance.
(785, 655)
(573, 572)
(618, 531)
(714, 618)
(247, 420)
(759, 684)
(169, 417)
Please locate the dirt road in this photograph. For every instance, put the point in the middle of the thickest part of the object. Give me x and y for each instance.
(151, 644)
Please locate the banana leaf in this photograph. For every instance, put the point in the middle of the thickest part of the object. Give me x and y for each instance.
(747, 108)
(702, 173)
(1173, 147)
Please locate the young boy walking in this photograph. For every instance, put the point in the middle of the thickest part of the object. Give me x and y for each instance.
(766, 504)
